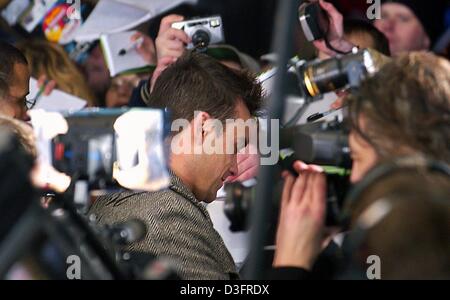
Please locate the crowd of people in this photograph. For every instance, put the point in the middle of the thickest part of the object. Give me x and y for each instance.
(399, 140)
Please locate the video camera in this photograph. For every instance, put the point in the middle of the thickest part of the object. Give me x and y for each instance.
(93, 150)
(320, 143)
(203, 32)
(103, 149)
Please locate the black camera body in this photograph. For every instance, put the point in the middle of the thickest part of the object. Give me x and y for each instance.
(321, 143)
(314, 21)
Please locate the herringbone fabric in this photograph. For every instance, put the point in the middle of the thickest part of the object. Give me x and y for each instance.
(178, 229)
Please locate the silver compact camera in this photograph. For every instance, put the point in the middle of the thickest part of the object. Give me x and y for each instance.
(203, 32)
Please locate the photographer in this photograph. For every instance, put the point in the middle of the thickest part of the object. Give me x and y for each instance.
(403, 110)
(409, 25)
(16, 76)
(400, 213)
(171, 44)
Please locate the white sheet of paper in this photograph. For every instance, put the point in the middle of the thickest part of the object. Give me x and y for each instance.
(112, 44)
(56, 101)
(112, 16)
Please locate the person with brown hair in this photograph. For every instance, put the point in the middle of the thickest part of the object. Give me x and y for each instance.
(23, 132)
(400, 213)
(49, 60)
(200, 92)
(14, 82)
(409, 25)
(403, 110)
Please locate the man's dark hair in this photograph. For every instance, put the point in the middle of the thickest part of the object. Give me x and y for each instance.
(197, 82)
(9, 56)
(354, 26)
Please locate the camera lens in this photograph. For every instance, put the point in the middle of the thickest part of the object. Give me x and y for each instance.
(325, 76)
(201, 40)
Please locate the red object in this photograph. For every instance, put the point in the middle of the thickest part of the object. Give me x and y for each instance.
(59, 151)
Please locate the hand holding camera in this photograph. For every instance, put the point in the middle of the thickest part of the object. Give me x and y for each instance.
(325, 17)
(171, 42)
(176, 35)
(302, 217)
(202, 32)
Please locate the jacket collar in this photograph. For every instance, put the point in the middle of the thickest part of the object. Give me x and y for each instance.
(177, 185)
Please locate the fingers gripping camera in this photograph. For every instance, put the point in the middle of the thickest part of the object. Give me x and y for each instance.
(203, 32)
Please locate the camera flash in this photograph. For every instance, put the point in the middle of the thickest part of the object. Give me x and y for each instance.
(215, 23)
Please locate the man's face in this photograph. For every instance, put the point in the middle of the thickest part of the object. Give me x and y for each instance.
(215, 168)
(97, 72)
(363, 155)
(14, 103)
(403, 29)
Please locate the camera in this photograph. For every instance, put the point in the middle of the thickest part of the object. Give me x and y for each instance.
(203, 32)
(314, 21)
(103, 150)
(321, 143)
(318, 77)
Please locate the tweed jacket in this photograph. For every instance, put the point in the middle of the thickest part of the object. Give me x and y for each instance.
(179, 229)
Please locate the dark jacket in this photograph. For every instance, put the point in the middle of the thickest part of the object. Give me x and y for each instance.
(140, 95)
(178, 229)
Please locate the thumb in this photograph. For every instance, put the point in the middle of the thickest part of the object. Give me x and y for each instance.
(167, 22)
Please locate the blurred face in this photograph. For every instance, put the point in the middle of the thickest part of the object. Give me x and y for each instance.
(121, 89)
(363, 155)
(14, 104)
(215, 168)
(402, 28)
(96, 71)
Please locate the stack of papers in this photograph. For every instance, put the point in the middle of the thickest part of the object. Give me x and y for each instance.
(112, 16)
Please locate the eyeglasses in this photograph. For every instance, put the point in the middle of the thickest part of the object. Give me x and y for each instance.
(28, 103)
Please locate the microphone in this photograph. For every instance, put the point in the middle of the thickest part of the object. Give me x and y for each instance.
(128, 232)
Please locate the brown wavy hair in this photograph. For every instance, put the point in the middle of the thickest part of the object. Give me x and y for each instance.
(405, 107)
(50, 59)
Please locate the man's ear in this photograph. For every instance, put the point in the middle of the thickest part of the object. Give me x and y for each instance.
(198, 126)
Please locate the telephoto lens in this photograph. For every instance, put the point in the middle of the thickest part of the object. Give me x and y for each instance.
(320, 77)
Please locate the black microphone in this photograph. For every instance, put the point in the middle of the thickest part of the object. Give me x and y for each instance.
(128, 232)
